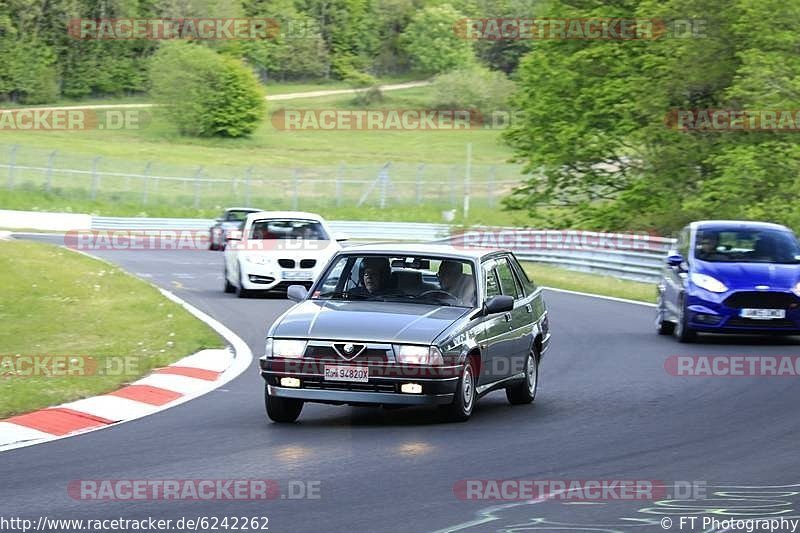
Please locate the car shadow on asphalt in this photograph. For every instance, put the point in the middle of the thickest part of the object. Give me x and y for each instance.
(486, 411)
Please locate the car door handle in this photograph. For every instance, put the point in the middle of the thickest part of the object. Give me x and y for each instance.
(507, 316)
(528, 308)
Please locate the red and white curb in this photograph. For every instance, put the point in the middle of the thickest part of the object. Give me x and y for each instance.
(166, 387)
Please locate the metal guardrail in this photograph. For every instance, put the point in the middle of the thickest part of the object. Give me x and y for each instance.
(355, 229)
(636, 257)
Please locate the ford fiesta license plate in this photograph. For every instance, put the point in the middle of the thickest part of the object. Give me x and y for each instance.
(763, 314)
(359, 374)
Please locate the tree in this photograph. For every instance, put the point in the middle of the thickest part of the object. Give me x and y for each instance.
(432, 42)
(592, 131)
(205, 93)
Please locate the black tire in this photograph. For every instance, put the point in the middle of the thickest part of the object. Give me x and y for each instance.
(282, 410)
(464, 402)
(682, 331)
(229, 287)
(524, 392)
(241, 292)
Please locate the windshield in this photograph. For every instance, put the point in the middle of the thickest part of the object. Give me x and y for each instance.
(747, 246)
(270, 229)
(398, 278)
(236, 216)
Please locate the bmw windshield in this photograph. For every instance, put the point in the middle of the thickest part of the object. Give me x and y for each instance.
(424, 280)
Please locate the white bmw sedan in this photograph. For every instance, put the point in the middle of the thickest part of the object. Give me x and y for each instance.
(276, 249)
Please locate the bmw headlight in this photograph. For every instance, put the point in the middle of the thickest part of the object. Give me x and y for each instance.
(417, 355)
(708, 283)
(796, 289)
(286, 348)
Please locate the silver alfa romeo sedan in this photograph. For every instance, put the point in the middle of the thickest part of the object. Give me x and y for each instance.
(399, 325)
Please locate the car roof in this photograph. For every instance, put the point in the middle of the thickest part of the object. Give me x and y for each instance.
(736, 224)
(300, 215)
(413, 248)
(248, 209)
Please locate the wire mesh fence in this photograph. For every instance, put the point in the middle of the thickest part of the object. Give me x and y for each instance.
(388, 184)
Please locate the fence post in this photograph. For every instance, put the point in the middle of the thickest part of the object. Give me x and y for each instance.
(295, 184)
(197, 187)
(12, 162)
(339, 176)
(50, 162)
(452, 180)
(490, 190)
(95, 178)
(146, 181)
(384, 180)
(420, 170)
(247, 191)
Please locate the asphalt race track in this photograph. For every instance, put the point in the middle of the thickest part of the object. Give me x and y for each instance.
(606, 409)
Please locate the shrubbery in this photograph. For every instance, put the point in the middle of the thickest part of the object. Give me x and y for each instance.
(204, 93)
(476, 87)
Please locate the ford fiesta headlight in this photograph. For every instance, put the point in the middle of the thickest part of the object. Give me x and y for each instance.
(417, 355)
(708, 283)
(286, 348)
(796, 289)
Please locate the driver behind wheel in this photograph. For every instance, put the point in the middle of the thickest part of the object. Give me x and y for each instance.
(374, 276)
(453, 280)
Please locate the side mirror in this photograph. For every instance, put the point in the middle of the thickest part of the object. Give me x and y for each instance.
(234, 235)
(296, 293)
(498, 304)
(675, 259)
(340, 237)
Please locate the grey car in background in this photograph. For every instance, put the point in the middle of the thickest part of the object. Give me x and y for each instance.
(232, 219)
(411, 324)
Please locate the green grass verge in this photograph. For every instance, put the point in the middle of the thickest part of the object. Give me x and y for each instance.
(57, 302)
(561, 278)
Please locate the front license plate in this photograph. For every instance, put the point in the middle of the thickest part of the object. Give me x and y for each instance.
(296, 276)
(358, 374)
(763, 314)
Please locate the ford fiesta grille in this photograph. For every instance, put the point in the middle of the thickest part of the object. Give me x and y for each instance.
(762, 300)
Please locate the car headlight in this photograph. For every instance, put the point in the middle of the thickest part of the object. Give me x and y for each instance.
(708, 283)
(286, 348)
(796, 289)
(257, 259)
(417, 355)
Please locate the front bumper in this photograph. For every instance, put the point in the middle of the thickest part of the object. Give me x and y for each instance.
(267, 277)
(709, 312)
(383, 388)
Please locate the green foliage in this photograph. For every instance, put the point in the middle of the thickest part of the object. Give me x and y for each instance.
(475, 87)
(432, 42)
(591, 127)
(204, 93)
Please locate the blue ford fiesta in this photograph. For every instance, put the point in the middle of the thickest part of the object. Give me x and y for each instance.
(731, 277)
